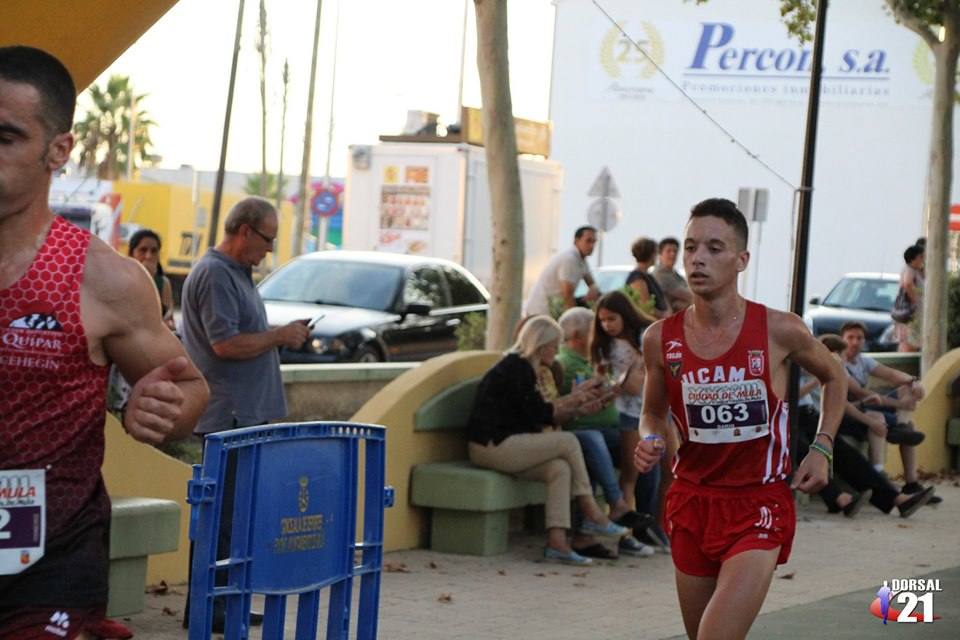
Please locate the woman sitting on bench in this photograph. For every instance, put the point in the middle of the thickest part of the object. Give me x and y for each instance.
(506, 431)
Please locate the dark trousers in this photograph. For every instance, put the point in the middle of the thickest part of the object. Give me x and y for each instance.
(849, 464)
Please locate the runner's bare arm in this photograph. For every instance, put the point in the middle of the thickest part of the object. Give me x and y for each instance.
(121, 315)
(794, 340)
(653, 418)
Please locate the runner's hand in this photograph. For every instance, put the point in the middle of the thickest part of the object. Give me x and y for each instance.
(812, 474)
(155, 403)
(647, 454)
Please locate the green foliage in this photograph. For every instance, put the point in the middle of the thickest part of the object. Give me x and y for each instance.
(953, 312)
(252, 186)
(103, 134)
(471, 333)
(646, 309)
(189, 450)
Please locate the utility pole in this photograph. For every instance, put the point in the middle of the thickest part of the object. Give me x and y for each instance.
(307, 133)
(221, 170)
(799, 289)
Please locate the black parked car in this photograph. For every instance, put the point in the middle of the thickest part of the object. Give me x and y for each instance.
(371, 306)
(860, 297)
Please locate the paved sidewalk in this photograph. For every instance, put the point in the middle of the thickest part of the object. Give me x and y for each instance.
(836, 563)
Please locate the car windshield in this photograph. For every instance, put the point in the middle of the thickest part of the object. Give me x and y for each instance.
(336, 282)
(607, 280)
(863, 293)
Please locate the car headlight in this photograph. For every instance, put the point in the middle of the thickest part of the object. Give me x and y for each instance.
(326, 345)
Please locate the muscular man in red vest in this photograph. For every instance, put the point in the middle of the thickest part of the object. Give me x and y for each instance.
(69, 306)
(719, 369)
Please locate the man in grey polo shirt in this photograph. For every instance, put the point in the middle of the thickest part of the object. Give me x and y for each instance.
(225, 327)
(226, 334)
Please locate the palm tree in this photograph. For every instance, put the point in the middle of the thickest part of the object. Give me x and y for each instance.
(103, 134)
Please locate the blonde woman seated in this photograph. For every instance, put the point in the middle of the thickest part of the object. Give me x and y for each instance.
(506, 434)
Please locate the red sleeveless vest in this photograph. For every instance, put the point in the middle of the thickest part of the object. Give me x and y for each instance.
(733, 428)
(52, 397)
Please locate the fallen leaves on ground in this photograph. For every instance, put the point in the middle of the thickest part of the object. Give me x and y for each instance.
(501, 572)
(161, 589)
(904, 526)
(167, 611)
(540, 575)
(445, 598)
(582, 574)
(579, 584)
(433, 565)
(396, 567)
(788, 576)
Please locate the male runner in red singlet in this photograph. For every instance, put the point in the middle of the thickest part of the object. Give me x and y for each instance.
(69, 306)
(720, 369)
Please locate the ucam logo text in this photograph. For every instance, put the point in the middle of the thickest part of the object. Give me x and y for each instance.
(716, 52)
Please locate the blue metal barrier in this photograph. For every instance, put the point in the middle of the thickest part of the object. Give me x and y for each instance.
(294, 527)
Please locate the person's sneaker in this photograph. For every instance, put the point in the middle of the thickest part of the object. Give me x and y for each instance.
(915, 501)
(859, 499)
(563, 557)
(609, 530)
(630, 546)
(916, 487)
(904, 434)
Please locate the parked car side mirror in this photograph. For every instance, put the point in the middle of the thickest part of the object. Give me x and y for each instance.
(815, 301)
(417, 309)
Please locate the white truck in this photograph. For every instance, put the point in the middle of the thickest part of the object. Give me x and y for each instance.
(432, 198)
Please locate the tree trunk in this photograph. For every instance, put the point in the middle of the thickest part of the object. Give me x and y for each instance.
(938, 189)
(503, 173)
(262, 50)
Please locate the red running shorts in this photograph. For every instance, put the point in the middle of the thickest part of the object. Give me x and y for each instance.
(708, 525)
(49, 623)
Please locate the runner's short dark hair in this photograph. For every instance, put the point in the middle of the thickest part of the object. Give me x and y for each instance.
(726, 211)
(669, 241)
(582, 230)
(49, 77)
(912, 252)
(850, 326)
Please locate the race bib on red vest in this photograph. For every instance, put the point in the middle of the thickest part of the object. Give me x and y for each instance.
(23, 519)
(724, 412)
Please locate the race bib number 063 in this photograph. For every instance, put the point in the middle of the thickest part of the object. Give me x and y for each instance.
(22, 519)
(726, 412)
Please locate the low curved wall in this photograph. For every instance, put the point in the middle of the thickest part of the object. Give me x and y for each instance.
(931, 417)
(394, 407)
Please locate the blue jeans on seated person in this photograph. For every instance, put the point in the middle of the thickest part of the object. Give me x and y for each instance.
(600, 467)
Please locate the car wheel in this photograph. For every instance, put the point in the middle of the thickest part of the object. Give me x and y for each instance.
(367, 353)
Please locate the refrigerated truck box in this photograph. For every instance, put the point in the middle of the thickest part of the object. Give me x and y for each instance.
(432, 199)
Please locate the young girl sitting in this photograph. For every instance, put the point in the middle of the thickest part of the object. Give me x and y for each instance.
(615, 352)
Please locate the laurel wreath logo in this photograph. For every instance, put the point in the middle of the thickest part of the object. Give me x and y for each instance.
(612, 61)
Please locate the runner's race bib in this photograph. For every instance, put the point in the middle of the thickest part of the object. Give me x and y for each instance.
(23, 519)
(724, 412)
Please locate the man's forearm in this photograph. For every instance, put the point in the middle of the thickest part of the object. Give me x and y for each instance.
(246, 345)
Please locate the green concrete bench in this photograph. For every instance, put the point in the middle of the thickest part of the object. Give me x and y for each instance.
(138, 527)
(470, 505)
